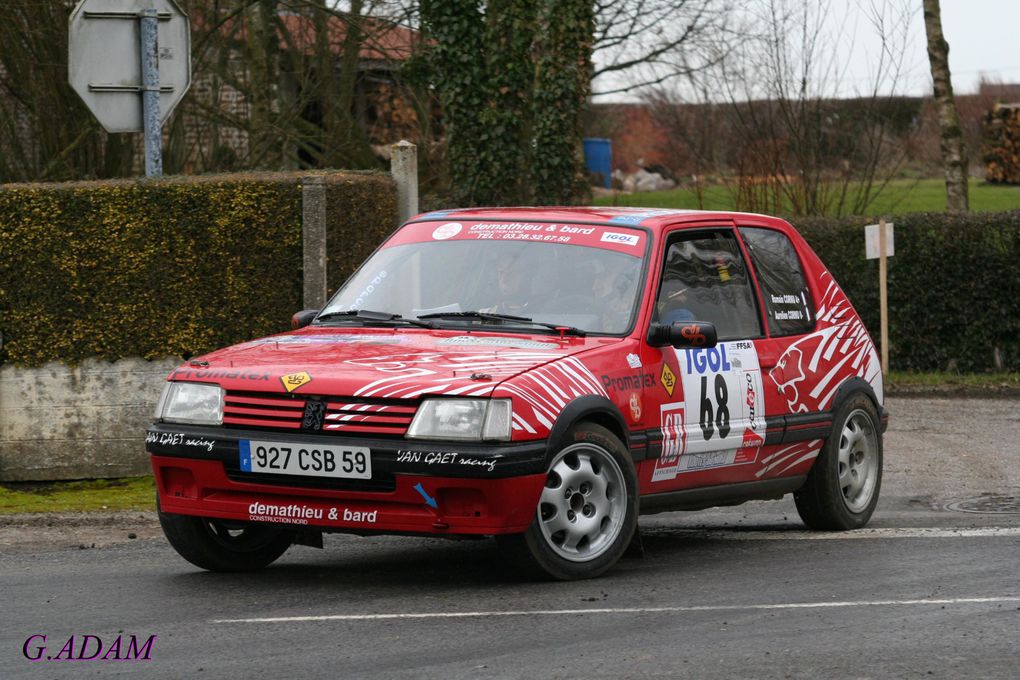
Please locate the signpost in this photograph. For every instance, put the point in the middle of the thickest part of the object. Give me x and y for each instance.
(130, 62)
(879, 242)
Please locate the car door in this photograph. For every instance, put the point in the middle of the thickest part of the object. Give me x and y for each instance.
(787, 354)
(712, 423)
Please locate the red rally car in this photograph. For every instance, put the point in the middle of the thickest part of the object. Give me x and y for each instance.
(542, 376)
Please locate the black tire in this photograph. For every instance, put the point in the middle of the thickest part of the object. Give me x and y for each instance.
(842, 489)
(605, 501)
(223, 545)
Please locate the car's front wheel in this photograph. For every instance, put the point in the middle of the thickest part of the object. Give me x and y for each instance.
(841, 490)
(222, 545)
(587, 512)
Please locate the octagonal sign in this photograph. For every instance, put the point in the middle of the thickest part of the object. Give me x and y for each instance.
(104, 45)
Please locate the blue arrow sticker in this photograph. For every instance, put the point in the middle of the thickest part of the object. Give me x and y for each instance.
(429, 500)
(244, 446)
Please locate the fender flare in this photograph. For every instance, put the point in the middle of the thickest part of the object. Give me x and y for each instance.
(858, 385)
(579, 409)
(852, 386)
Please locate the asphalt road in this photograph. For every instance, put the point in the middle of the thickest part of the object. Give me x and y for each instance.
(925, 591)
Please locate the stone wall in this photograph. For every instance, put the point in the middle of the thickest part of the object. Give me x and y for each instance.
(88, 421)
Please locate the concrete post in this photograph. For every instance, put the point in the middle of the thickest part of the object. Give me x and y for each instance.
(313, 241)
(404, 168)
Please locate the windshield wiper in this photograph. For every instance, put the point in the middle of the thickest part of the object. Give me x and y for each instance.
(491, 316)
(372, 316)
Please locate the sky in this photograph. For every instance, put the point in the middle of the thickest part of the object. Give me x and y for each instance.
(982, 37)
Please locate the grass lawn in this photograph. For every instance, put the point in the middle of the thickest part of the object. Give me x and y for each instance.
(131, 493)
(899, 196)
(971, 384)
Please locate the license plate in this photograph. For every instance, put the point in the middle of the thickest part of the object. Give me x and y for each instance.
(348, 462)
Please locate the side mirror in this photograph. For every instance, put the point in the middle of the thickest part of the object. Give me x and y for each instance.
(683, 334)
(303, 318)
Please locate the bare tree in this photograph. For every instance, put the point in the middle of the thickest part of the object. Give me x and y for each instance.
(643, 43)
(954, 155)
(45, 130)
(296, 66)
(779, 127)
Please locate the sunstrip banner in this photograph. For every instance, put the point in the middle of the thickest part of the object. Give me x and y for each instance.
(620, 239)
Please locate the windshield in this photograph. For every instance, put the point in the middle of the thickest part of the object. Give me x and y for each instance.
(590, 288)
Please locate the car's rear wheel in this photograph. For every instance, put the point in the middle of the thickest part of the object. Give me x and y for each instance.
(586, 513)
(842, 489)
(223, 545)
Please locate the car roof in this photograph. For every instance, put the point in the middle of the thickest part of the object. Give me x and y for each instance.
(651, 218)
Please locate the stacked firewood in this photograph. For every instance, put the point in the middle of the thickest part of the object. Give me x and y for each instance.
(1001, 147)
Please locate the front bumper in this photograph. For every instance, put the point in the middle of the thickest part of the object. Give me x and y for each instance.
(417, 487)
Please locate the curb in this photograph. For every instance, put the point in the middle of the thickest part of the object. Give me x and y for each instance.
(70, 520)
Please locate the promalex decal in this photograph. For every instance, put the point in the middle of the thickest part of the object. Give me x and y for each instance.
(634, 381)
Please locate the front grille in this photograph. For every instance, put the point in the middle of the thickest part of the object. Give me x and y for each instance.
(342, 415)
(262, 410)
(366, 417)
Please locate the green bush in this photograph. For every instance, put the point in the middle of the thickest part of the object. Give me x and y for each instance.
(954, 291)
(174, 266)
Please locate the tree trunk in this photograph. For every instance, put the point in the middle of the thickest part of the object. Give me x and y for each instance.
(263, 67)
(354, 146)
(954, 156)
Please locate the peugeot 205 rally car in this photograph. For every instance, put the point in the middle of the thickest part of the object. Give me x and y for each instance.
(538, 375)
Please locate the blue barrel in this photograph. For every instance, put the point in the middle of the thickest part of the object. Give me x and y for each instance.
(598, 158)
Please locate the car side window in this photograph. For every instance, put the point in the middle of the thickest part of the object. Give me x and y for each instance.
(781, 277)
(705, 278)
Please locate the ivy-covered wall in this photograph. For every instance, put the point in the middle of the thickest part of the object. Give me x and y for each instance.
(169, 267)
(513, 77)
(954, 293)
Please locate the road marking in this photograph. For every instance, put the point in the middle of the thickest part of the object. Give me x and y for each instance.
(801, 535)
(626, 610)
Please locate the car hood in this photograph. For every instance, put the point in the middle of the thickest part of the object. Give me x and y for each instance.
(380, 363)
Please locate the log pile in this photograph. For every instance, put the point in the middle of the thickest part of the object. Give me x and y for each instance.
(1001, 144)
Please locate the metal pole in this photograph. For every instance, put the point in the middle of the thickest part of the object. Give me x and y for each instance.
(149, 29)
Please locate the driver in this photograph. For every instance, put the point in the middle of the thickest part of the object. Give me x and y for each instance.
(514, 287)
(613, 289)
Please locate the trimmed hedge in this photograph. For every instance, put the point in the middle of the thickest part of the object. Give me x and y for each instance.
(174, 266)
(180, 266)
(954, 287)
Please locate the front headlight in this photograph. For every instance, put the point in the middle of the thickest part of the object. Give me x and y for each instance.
(469, 419)
(193, 403)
